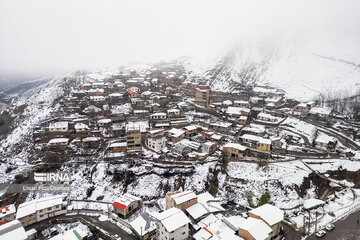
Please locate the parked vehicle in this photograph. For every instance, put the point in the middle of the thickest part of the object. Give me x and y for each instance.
(329, 227)
(320, 233)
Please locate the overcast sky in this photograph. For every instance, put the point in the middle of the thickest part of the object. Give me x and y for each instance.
(45, 36)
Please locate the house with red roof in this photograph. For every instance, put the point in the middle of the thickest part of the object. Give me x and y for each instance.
(126, 204)
(7, 214)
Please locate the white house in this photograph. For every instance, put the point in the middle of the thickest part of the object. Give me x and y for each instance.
(156, 139)
(173, 112)
(40, 209)
(172, 224)
(81, 128)
(158, 116)
(14, 230)
(58, 142)
(60, 127)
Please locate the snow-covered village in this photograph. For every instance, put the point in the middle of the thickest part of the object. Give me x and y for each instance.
(160, 120)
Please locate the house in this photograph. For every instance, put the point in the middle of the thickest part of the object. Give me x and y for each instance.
(202, 97)
(133, 137)
(325, 142)
(59, 127)
(320, 113)
(144, 226)
(191, 130)
(176, 134)
(7, 214)
(271, 215)
(302, 109)
(243, 120)
(273, 100)
(158, 116)
(59, 143)
(172, 224)
(97, 99)
(114, 97)
(156, 139)
(254, 229)
(14, 230)
(81, 128)
(234, 150)
(255, 129)
(72, 234)
(256, 142)
(40, 209)
(91, 142)
(118, 147)
(133, 94)
(206, 135)
(99, 92)
(241, 103)
(126, 204)
(264, 91)
(98, 85)
(141, 113)
(266, 117)
(186, 146)
(237, 111)
(221, 126)
(181, 200)
(209, 147)
(173, 113)
(106, 122)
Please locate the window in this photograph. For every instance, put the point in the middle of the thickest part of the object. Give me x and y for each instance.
(49, 209)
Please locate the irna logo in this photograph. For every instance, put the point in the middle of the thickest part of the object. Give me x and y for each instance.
(52, 177)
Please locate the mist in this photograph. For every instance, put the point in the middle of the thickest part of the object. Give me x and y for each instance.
(41, 37)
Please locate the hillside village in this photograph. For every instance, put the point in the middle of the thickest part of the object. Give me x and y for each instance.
(162, 121)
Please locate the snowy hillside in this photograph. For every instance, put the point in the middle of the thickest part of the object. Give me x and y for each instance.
(301, 68)
(26, 112)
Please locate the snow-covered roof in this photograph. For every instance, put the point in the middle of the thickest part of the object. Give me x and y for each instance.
(191, 127)
(59, 125)
(203, 234)
(216, 136)
(118, 144)
(221, 124)
(159, 114)
(269, 213)
(143, 224)
(140, 125)
(58, 140)
(258, 229)
(264, 90)
(91, 139)
(175, 132)
(182, 197)
(80, 126)
(197, 210)
(172, 219)
(234, 222)
(27, 208)
(313, 203)
(104, 121)
(324, 138)
(236, 146)
(266, 115)
(256, 138)
(13, 230)
(173, 110)
(320, 110)
(72, 234)
(237, 110)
